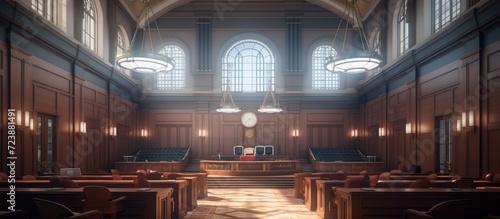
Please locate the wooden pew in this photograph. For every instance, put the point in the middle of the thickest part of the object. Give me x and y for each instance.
(180, 188)
(154, 203)
(392, 202)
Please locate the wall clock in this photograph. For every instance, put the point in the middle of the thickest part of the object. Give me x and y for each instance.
(249, 119)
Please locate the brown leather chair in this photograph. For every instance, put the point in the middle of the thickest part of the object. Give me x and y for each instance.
(421, 183)
(141, 181)
(384, 176)
(99, 198)
(153, 176)
(116, 175)
(363, 172)
(53, 210)
(174, 176)
(373, 181)
(357, 182)
(68, 183)
(432, 176)
(489, 177)
(29, 177)
(496, 177)
(446, 210)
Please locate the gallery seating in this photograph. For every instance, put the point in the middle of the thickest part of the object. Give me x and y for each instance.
(53, 210)
(99, 198)
(337, 154)
(448, 209)
(166, 154)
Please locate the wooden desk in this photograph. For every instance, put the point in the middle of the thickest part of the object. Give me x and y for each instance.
(155, 203)
(192, 192)
(298, 184)
(247, 168)
(324, 195)
(202, 183)
(392, 202)
(310, 198)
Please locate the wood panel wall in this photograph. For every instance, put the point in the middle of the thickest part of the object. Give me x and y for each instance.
(180, 128)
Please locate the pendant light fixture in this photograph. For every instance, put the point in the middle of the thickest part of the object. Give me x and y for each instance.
(227, 103)
(141, 61)
(353, 62)
(268, 106)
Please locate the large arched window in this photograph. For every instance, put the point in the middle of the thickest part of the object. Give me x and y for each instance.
(323, 79)
(403, 28)
(445, 11)
(249, 65)
(176, 78)
(120, 43)
(89, 25)
(45, 8)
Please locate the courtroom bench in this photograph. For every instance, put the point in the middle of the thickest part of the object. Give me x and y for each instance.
(392, 202)
(154, 203)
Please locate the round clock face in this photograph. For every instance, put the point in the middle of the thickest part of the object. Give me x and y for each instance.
(249, 119)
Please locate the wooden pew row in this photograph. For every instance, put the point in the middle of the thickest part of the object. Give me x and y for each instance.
(298, 191)
(180, 190)
(201, 177)
(154, 203)
(324, 194)
(388, 203)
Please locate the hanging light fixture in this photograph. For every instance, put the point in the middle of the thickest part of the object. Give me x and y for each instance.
(225, 106)
(142, 61)
(353, 62)
(268, 106)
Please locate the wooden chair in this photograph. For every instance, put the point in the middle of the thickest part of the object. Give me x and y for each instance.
(29, 177)
(99, 198)
(53, 210)
(421, 183)
(141, 181)
(448, 209)
(116, 175)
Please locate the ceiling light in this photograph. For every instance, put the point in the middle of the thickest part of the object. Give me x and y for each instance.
(142, 61)
(353, 62)
(227, 104)
(268, 106)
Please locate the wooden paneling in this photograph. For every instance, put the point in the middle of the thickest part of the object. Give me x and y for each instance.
(325, 117)
(494, 151)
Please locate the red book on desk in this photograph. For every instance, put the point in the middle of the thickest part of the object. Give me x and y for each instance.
(247, 157)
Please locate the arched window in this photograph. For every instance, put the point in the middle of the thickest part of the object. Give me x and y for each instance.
(176, 78)
(249, 65)
(376, 43)
(445, 11)
(45, 8)
(403, 28)
(120, 43)
(89, 25)
(323, 79)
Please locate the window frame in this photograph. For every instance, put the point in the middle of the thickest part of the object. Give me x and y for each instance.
(453, 14)
(179, 71)
(47, 11)
(403, 45)
(87, 26)
(321, 72)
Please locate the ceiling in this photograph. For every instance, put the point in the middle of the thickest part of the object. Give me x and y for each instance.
(160, 7)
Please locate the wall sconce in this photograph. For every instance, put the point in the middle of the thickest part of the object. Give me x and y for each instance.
(201, 133)
(468, 127)
(144, 133)
(381, 133)
(19, 121)
(32, 128)
(354, 133)
(408, 130)
(83, 129)
(295, 133)
(112, 132)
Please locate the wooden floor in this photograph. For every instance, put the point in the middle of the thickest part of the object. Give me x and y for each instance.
(251, 203)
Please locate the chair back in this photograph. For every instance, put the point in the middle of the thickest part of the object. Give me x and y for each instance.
(52, 210)
(356, 182)
(463, 183)
(259, 150)
(3, 176)
(142, 182)
(153, 176)
(385, 176)
(269, 150)
(174, 176)
(96, 195)
(238, 150)
(421, 183)
(68, 183)
(432, 176)
(373, 181)
(56, 182)
(449, 209)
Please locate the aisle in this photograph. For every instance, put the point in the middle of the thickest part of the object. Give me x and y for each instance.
(251, 203)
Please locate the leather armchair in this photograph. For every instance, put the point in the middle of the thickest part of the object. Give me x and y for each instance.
(53, 210)
(448, 209)
(99, 198)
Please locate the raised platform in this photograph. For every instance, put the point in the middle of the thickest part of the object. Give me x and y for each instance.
(249, 168)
